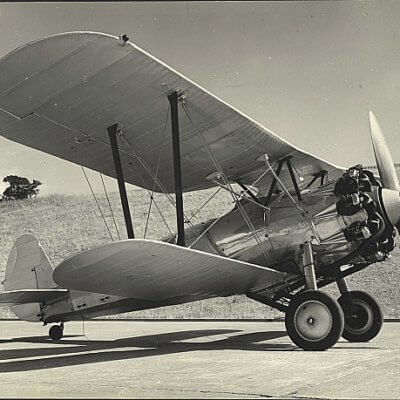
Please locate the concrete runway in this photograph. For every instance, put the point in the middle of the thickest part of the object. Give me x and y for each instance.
(173, 359)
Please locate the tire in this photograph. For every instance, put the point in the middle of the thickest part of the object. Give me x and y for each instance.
(364, 322)
(56, 332)
(314, 320)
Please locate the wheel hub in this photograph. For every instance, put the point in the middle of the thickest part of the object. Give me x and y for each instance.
(360, 318)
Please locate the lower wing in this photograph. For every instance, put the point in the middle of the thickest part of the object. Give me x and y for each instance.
(152, 270)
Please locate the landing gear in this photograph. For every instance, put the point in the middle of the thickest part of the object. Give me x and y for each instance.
(314, 320)
(363, 317)
(56, 332)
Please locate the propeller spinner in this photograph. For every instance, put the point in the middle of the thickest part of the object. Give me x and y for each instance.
(387, 172)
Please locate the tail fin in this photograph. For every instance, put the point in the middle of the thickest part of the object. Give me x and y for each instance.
(28, 268)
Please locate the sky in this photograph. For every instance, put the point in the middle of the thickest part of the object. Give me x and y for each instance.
(308, 71)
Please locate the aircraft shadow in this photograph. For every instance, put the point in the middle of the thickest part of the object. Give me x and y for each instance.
(145, 346)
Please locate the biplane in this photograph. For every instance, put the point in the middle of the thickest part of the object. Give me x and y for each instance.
(298, 223)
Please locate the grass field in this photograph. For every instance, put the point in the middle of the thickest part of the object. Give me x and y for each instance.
(67, 224)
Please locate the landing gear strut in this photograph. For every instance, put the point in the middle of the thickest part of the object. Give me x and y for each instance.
(56, 331)
(314, 320)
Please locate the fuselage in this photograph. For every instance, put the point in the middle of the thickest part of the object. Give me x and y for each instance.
(280, 230)
(271, 237)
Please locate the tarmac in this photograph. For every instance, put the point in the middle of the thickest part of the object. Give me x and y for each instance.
(191, 359)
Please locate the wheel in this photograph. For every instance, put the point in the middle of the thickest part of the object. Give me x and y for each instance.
(56, 332)
(314, 320)
(363, 322)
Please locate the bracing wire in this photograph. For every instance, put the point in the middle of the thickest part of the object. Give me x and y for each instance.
(263, 174)
(131, 153)
(222, 174)
(284, 188)
(208, 200)
(205, 231)
(109, 205)
(97, 202)
(149, 171)
(239, 195)
(148, 191)
(148, 216)
(156, 174)
(155, 179)
(173, 203)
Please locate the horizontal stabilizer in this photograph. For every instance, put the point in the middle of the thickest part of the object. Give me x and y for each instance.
(25, 296)
(152, 270)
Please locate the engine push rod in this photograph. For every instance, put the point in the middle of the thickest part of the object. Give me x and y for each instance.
(180, 221)
(112, 133)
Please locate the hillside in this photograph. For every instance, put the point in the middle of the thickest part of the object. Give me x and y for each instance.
(67, 224)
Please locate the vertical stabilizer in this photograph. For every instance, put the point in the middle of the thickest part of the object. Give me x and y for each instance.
(28, 268)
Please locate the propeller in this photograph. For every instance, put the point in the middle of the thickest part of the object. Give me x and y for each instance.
(387, 172)
(384, 161)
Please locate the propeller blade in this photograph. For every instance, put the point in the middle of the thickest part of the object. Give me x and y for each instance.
(384, 162)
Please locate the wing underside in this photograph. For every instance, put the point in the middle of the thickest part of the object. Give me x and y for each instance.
(59, 95)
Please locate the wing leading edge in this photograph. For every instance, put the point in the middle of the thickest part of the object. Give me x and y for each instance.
(59, 95)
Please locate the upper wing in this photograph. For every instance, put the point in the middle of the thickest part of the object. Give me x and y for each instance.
(24, 296)
(60, 94)
(151, 270)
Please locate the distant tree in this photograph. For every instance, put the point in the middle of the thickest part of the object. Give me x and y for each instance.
(20, 188)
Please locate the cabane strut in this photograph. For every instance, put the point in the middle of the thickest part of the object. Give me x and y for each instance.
(276, 175)
(320, 174)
